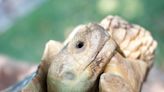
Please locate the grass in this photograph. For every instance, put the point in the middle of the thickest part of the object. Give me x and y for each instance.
(55, 18)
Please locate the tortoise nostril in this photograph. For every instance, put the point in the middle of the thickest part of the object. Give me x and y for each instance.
(69, 75)
(79, 44)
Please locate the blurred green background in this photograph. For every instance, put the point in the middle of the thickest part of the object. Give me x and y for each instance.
(54, 19)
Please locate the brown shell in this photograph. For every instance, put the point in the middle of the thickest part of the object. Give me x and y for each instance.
(135, 41)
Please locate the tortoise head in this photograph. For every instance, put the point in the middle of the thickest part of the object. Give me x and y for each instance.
(81, 60)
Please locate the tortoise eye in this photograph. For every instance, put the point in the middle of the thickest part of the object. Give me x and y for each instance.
(79, 44)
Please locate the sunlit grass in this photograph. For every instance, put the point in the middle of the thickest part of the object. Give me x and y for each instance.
(107, 6)
(132, 8)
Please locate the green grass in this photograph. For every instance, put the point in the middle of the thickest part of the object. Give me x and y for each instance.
(26, 39)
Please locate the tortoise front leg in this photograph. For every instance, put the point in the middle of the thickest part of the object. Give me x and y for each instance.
(123, 75)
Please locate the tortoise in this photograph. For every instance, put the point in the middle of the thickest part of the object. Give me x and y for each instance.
(110, 56)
